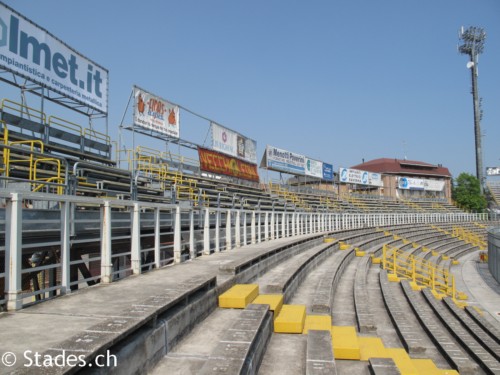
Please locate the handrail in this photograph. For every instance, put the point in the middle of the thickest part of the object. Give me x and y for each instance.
(422, 272)
(54, 120)
(21, 108)
(39, 154)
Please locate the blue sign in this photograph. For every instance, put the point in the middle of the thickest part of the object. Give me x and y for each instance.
(327, 172)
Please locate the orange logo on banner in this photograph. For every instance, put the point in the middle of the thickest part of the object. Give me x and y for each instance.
(171, 117)
(215, 162)
(140, 104)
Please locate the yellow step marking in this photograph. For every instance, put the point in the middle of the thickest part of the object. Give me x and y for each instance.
(239, 296)
(291, 319)
(318, 323)
(345, 343)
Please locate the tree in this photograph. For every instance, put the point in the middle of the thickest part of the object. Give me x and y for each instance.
(467, 193)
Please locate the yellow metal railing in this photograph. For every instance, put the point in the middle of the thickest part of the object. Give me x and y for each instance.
(288, 195)
(469, 237)
(421, 272)
(23, 110)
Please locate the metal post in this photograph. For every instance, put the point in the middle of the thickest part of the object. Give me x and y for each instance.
(266, 225)
(272, 225)
(157, 239)
(228, 231)
(252, 229)
(244, 228)
(259, 228)
(237, 228)
(192, 249)
(135, 256)
(217, 231)
(106, 264)
(65, 247)
(13, 249)
(177, 236)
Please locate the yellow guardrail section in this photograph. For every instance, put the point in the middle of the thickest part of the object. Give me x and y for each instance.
(23, 110)
(421, 272)
(469, 237)
(288, 195)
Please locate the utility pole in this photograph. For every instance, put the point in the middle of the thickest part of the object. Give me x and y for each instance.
(473, 45)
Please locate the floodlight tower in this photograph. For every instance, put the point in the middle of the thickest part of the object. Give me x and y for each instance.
(473, 45)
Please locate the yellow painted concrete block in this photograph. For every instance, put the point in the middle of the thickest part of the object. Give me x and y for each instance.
(275, 302)
(415, 245)
(376, 260)
(371, 347)
(402, 361)
(445, 257)
(434, 253)
(344, 246)
(291, 319)
(455, 262)
(345, 343)
(427, 366)
(318, 323)
(393, 277)
(360, 253)
(329, 240)
(239, 296)
(396, 237)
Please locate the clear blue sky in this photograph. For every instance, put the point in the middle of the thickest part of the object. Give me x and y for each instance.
(335, 80)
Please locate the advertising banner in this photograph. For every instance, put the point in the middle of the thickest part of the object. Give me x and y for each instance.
(493, 171)
(32, 52)
(327, 172)
(407, 183)
(314, 168)
(232, 143)
(154, 113)
(356, 176)
(215, 162)
(284, 161)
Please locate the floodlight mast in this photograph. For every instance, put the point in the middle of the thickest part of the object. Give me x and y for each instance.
(473, 45)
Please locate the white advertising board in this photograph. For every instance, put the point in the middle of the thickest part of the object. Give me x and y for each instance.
(232, 143)
(156, 114)
(314, 168)
(284, 161)
(32, 52)
(408, 183)
(356, 176)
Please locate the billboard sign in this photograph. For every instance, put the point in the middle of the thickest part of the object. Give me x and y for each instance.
(314, 168)
(232, 143)
(32, 52)
(407, 183)
(359, 177)
(156, 114)
(493, 171)
(216, 162)
(284, 161)
(327, 172)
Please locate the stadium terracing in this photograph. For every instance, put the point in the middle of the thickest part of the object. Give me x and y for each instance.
(144, 261)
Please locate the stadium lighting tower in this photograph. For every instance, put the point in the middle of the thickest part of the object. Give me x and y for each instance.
(473, 45)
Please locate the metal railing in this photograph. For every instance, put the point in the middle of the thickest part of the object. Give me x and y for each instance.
(421, 272)
(123, 237)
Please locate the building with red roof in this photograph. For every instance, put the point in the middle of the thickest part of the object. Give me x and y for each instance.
(410, 179)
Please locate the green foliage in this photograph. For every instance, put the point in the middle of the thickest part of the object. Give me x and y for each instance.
(467, 193)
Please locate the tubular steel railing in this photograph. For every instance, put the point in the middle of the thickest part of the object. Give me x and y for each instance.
(79, 241)
(421, 272)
